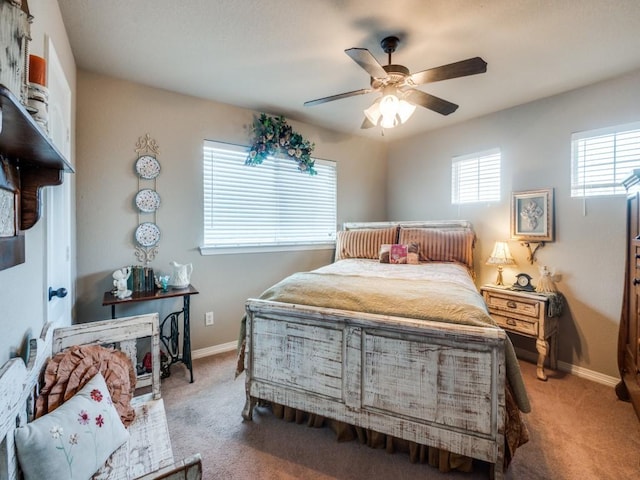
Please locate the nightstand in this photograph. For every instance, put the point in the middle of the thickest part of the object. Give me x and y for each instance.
(525, 313)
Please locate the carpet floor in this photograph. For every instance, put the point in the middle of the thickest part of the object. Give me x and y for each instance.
(578, 428)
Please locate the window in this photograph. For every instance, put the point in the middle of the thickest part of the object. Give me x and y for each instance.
(269, 205)
(601, 159)
(476, 177)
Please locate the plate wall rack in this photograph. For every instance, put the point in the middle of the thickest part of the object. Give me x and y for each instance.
(147, 200)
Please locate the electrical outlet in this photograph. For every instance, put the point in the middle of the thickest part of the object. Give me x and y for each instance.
(208, 319)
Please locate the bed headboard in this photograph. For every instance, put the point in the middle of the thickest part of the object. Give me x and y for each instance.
(438, 240)
(440, 224)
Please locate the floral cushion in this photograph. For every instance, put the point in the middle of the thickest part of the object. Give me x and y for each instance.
(75, 439)
(399, 253)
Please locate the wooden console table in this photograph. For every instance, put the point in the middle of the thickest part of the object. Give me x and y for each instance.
(171, 339)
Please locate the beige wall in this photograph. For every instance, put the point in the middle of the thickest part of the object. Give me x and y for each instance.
(535, 142)
(22, 288)
(112, 115)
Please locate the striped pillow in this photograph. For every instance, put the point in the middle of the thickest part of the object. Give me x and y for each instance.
(364, 243)
(441, 245)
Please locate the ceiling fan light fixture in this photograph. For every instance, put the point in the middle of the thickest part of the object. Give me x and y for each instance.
(390, 110)
(373, 112)
(396, 83)
(389, 104)
(389, 121)
(405, 110)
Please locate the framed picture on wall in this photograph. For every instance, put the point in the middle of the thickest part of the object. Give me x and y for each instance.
(12, 245)
(532, 216)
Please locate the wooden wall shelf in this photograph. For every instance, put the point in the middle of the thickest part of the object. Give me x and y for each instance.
(29, 161)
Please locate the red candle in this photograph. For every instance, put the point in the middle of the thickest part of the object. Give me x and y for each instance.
(37, 70)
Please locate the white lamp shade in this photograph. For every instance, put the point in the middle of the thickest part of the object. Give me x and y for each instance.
(389, 121)
(373, 112)
(501, 255)
(389, 105)
(405, 110)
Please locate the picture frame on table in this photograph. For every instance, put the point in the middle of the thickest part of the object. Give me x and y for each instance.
(532, 215)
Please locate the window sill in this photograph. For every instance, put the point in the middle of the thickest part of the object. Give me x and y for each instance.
(232, 250)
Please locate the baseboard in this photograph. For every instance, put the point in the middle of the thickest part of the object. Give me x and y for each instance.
(572, 369)
(214, 350)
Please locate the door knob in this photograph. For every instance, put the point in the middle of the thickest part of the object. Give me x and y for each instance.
(60, 293)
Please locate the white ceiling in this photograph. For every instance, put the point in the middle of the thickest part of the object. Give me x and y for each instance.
(273, 55)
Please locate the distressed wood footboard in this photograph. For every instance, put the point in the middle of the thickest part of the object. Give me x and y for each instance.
(436, 384)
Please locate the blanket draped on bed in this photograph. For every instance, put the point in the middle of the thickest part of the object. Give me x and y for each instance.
(435, 300)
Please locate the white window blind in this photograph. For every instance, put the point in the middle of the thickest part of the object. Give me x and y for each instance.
(476, 177)
(272, 204)
(601, 159)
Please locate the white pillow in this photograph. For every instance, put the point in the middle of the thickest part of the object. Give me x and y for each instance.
(75, 439)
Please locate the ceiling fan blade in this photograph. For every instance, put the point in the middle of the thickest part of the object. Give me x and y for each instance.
(366, 123)
(363, 57)
(471, 66)
(431, 102)
(318, 101)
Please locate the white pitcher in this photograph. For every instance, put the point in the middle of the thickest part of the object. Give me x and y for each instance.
(181, 275)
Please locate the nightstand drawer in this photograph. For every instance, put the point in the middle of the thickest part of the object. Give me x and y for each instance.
(515, 324)
(529, 308)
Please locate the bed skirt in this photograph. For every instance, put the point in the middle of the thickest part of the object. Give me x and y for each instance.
(516, 434)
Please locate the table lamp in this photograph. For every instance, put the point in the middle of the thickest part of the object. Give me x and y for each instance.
(500, 256)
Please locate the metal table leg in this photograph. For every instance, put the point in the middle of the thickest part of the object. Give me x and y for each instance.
(171, 340)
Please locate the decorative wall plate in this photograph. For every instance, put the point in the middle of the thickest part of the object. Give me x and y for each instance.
(147, 234)
(147, 167)
(147, 200)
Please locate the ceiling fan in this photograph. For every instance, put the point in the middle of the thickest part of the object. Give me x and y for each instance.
(396, 83)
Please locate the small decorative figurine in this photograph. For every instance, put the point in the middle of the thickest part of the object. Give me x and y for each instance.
(546, 284)
(120, 278)
(162, 282)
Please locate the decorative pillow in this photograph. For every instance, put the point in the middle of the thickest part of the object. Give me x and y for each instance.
(364, 243)
(383, 257)
(413, 253)
(404, 253)
(398, 253)
(74, 440)
(69, 370)
(441, 245)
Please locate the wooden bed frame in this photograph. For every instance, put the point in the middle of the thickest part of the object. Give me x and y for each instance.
(432, 383)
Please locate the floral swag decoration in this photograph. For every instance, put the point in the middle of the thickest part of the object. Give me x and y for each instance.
(273, 135)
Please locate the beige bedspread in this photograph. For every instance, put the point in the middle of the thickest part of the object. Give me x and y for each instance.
(433, 291)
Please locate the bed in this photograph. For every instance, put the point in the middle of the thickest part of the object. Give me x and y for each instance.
(406, 350)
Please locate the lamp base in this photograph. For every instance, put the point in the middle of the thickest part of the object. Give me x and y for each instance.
(499, 278)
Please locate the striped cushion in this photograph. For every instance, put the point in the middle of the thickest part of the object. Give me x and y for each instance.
(441, 245)
(363, 243)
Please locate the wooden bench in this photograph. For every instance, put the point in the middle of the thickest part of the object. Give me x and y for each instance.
(147, 454)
